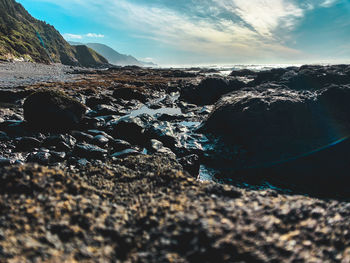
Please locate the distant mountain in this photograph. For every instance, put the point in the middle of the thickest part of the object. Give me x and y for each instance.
(115, 57)
(24, 37)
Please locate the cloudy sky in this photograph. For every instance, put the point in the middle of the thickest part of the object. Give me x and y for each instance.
(185, 32)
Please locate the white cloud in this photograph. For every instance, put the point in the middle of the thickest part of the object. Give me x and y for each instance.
(69, 36)
(72, 36)
(328, 3)
(94, 35)
(215, 36)
(264, 16)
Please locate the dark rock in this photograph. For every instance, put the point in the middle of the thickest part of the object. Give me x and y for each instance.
(58, 156)
(11, 96)
(281, 126)
(5, 162)
(98, 132)
(130, 129)
(129, 94)
(190, 164)
(89, 151)
(125, 153)
(269, 75)
(209, 90)
(168, 117)
(52, 110)
(119, 145)
(3, 136)
(14, 128)
(242, 73)
(156, 146)
(100, 140)
(82, 136)
(162, 132)
(61, 142)
(43, 158)
(27, 143)
(94, 101)
(91, 123)
(314, 77)
(102, 110)
(178, 74)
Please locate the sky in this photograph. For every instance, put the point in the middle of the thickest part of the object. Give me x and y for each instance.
(207, 32)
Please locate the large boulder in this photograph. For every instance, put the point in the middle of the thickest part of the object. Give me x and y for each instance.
(316, 77)
(209, 90)
(52, 110)
(274, 126)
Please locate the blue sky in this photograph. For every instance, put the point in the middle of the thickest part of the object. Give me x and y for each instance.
(194, 32)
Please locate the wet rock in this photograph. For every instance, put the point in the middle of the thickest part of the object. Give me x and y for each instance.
(178, 74)
(269, 75)
(129, 94)
(91, 123)
(315, 77)
(130, 129)
(242, 73)
(209, 90)
(156, 146)
(281, 127)
(58, 140)
(11, 96)
(119, 145)
(6, 161)
(125, 153)
(168, 117)
(162, 132)
(51, 110)
(58, 156)
(14, 128)
(190, 164)
(3, 136)
(27, 143)
(89, 151)
(100, 140)
(82, 136)
(103, 110)
(43, 158)
(94, 101)
(98, 132)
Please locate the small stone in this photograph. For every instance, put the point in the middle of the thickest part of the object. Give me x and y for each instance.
(100, 140)
(43, 158)
(125, 153)
(89, 151)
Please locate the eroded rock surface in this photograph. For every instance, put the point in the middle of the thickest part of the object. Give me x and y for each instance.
(147, 209)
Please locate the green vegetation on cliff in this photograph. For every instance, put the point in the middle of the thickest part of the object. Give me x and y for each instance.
(19, 39)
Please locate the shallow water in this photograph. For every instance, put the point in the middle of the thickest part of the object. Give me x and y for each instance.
(145, 110)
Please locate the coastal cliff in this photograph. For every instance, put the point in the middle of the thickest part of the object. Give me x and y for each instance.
(22, 37)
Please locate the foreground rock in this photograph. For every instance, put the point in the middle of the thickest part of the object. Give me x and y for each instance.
(273, 125)
(52, 110)
(146, 209)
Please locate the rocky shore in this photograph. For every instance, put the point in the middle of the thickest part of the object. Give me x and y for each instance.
(164, 165)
